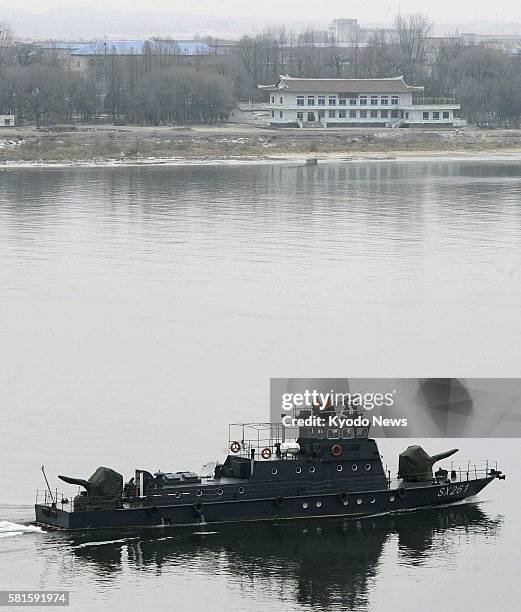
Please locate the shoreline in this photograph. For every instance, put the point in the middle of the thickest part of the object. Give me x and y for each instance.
(280, 159)
(102, 146)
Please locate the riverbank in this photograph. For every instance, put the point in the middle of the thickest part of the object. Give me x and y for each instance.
(131, 144)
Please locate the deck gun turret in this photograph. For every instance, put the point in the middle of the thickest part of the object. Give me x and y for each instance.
(415, 464)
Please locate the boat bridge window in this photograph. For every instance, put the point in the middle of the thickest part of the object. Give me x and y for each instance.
(347, 434)
(333, 434)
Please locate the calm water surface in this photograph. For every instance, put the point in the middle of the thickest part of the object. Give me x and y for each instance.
(142, 309)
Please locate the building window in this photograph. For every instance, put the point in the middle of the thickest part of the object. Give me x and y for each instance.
(352, 101)
(332, 114)
(321, 114)
(374, 114)
(394, 114)
(311, 116)
(7, 121)
(384, 101)
(352, 114)
(300, 100)
(321, 100)
(281, 99)
(332, 100)
(425, 115)
(311, 100)
(446, 114)
(374, 100)
(280, 114)
(435, 115)
(273, 113)
(385, 114)
(342, 102)
(394, 100)
(300, 116)
(273, 99)
(342, 114)
(363, 100)
(363, 114)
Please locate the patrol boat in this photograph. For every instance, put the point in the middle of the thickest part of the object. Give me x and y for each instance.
(268, 475)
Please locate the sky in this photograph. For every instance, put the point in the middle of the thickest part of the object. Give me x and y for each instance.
(374, 10)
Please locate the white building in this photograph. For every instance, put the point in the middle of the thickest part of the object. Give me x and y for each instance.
(6, 120)
(356, 102)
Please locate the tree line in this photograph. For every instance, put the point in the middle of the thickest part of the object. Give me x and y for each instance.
(162, 86)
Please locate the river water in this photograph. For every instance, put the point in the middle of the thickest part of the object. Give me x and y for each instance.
(142, 309)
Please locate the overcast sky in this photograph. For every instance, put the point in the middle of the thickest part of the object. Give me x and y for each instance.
(445, 11)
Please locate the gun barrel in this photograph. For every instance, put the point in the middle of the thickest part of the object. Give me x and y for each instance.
(444, 455)
(75, 481)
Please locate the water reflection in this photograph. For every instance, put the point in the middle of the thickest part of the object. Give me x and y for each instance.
(318, 564)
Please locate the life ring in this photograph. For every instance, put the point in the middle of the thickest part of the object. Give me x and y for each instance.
(279, 501)
(152, 511)
(402, 492)
(235, 447)
(266, 453)
(336, 450)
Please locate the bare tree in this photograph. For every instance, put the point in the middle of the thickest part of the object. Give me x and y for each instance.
(413, 31)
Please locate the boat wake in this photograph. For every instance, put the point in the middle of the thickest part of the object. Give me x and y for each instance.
(9, 529)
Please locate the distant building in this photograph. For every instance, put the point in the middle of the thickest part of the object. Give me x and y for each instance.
(344, 30)
(7, 119)
(386, 102)
(510, 43)
(80, 56)
(252, 113)
(349, 31)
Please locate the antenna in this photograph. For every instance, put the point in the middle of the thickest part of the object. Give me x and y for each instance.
(47, 483)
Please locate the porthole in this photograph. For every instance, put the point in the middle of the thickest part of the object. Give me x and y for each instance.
(240, 490)
(177, 495)
(318, 504)
(305, 505)
(391, 499)
(339, 468)
(220, 492)
(367, 466)
(373, 500)
(298, 470)
(359, 501)
(312, 469)
(354, 467)
(198, 493)
(345, 502)
(274, 471)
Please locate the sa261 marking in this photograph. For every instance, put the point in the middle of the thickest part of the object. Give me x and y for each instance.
(453, 490)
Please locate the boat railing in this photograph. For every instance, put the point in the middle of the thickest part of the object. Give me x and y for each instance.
(56, 499)
(462, 471)
(243, 438)
(52, 499)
